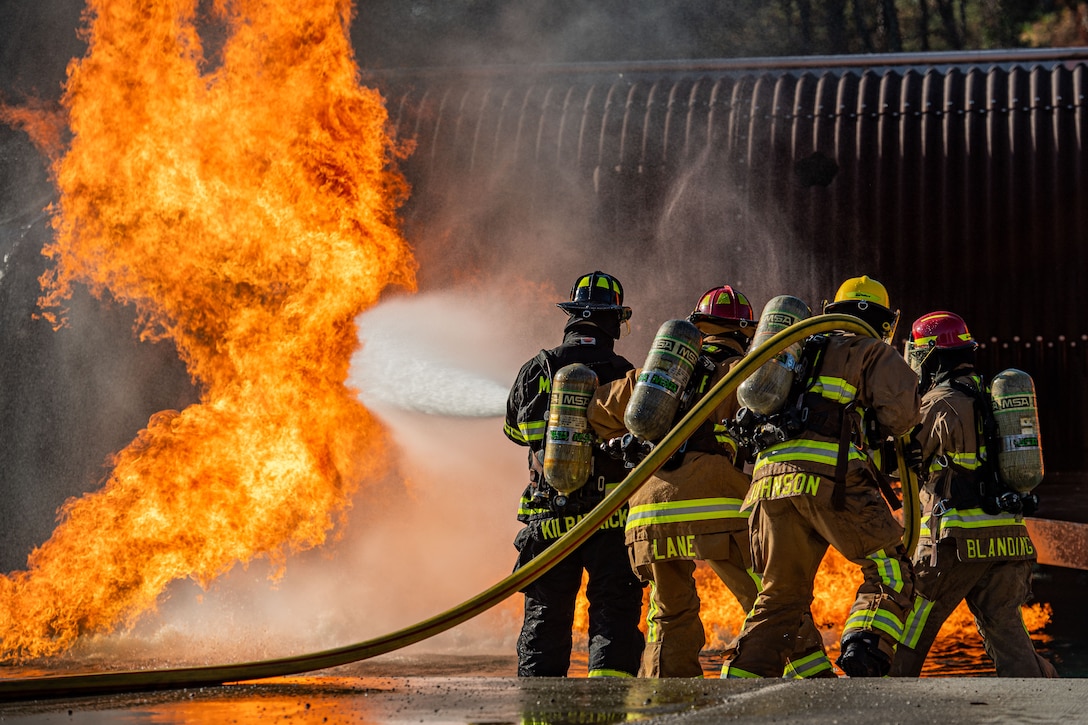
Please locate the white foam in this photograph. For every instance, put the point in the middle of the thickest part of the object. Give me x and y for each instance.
(430, 353)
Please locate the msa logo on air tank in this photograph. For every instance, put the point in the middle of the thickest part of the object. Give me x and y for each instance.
(676, 347)
(1013, 402)
(778, 319)
(574, 399)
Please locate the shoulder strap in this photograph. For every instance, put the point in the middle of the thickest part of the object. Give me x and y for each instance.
(608, 370)
(811, 360)
(702, 438)
(986, 439)
(547, 359)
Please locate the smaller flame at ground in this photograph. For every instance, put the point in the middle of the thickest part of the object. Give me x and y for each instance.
(836, 584)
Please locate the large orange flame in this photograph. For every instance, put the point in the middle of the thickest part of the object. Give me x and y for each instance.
(248, 213)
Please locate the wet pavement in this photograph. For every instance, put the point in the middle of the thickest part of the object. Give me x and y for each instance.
(485, 699)
(416, 687)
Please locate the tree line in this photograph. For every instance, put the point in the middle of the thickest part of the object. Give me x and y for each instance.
(390, 33)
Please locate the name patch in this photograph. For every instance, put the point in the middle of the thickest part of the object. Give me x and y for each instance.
(554, 528)
(783, 485)
(995, 548)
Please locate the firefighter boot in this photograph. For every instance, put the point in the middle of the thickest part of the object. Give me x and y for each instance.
(861, 656)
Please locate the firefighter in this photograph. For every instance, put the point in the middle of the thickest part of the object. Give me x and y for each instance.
(691, 508)
(595, 315)
(974, 544)
(817, 486)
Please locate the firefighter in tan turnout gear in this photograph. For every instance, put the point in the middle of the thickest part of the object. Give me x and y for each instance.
(595, 315)
(691, 509)
(973, 544)
(818, 486)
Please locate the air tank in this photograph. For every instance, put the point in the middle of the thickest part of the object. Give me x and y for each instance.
(568, 442)
(652, 409)
(765, 390)
(1020, 459)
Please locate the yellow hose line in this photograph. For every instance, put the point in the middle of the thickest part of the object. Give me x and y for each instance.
(83, 684)
(908, 480)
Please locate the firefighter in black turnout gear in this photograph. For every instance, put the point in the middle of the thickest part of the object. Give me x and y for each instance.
(596, 313)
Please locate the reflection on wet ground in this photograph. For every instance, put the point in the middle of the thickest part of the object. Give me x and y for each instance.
(389, 699)
(424, 687)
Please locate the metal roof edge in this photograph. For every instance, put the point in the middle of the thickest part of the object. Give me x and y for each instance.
(826, 63)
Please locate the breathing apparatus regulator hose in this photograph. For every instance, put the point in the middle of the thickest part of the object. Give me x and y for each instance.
(83, 684)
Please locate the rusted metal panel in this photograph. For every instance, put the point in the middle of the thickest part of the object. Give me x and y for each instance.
(1059, 543)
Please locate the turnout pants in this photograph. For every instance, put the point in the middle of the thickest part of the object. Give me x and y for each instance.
(675, 633)
(615, 607)
(674, 630)
(789, 539)
(995, 592)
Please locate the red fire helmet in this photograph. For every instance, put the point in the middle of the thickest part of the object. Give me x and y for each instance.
(724, 306)
(942, 330)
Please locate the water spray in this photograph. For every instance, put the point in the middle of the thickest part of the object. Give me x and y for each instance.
(406, 366)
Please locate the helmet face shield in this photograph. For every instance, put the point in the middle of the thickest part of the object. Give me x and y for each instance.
(916, 356)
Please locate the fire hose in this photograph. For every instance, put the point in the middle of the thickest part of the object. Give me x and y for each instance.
(908, 482)
(102, 683)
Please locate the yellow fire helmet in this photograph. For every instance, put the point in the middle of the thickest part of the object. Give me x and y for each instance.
(863, 288)
(867, 299)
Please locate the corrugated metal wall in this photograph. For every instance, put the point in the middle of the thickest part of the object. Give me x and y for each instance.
(960, 181)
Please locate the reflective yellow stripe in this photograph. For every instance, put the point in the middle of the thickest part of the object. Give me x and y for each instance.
(527, 509)
(968, 461)
(609, 673)
(890, 569)
(811, 451)
(532, 430)
(834, 389)
(671, 512)
(651, 614)
(730, 672)
(874, 619)
(916, 621)
(808, 666)
(514, 434)
(977, 519)
(723, 438)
